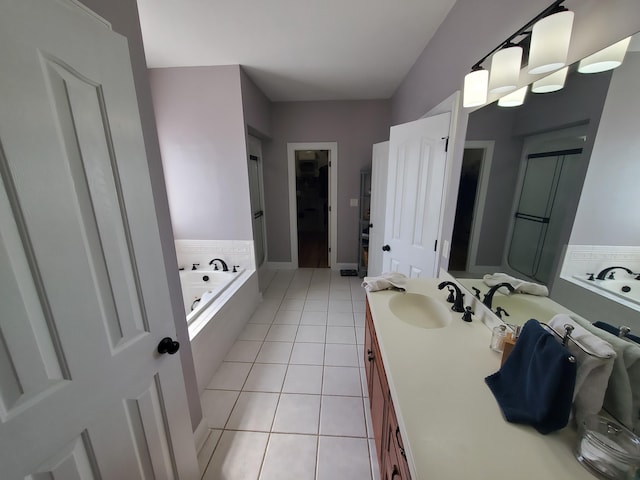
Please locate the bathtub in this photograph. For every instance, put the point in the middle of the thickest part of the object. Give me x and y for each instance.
(227, 300)
(201, 288)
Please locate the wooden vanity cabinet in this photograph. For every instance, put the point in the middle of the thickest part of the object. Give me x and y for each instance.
(389, 446)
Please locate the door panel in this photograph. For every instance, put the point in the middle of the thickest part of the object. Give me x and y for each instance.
(83, 287)
(415, 187)
(379, 172)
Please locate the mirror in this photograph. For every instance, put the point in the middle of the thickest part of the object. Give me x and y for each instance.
(548, 193)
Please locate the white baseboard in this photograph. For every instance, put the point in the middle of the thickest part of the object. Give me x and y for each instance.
(201, 434)
(281, 265)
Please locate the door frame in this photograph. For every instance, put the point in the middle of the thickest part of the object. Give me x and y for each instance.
(481, 197)
(332, 147)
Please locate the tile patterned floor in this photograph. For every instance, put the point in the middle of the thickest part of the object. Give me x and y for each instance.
(290, 399)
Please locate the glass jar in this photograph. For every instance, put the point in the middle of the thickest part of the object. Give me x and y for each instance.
(608, 449)
(497, 338)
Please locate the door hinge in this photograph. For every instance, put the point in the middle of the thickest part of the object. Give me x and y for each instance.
(329, 207)
(329, 249)
(446, 143)
(329, 162)
(435, 246)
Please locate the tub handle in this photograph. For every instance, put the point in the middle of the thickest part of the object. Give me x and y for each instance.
(167, 345)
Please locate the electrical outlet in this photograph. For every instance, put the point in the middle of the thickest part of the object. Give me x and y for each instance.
(353, 202)
(445, 249)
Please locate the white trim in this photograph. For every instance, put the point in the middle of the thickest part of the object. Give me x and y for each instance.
(481, 197)
(333, 197)
(452, 106)
(281, 265)
(201, 434)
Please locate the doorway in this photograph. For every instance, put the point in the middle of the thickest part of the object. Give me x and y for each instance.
(312, 193)
(257, 199)
(312, 207)
(472, 190)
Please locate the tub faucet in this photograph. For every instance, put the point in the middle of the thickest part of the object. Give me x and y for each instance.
(488, 298)
(225, 268)
(458, 301)
(603, 274)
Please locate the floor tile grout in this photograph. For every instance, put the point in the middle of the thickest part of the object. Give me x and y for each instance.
(284, 283)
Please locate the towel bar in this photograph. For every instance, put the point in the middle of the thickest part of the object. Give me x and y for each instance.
(567, 336)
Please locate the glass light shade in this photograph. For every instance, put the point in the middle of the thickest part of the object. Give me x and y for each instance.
(513, 99)
(550, 43)
(550, 83)
(475, 88)
(606, 59)
(505, 70)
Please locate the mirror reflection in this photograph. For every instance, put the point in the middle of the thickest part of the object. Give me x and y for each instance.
(547, 195)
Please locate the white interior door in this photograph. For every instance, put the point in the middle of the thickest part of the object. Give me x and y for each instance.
(417, 155)
(84, 393)
(379, 173)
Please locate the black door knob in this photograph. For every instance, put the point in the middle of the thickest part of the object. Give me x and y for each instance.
(386, 248)
(167, 345)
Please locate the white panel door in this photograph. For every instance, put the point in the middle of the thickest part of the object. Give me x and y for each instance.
(379, 173)
(84, 393)
(417, 156)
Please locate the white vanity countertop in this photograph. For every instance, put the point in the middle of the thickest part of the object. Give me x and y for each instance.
(450, 421)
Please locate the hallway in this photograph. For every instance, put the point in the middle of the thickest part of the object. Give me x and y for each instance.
(290, 400)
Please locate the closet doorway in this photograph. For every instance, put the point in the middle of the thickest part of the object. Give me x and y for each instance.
(311, 177)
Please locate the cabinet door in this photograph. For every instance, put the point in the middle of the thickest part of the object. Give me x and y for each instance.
(368, 349)
(395, 446)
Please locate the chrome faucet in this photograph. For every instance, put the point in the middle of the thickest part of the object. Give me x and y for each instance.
(603, 274)
(488, 298)
(225, 268)
(458, 301)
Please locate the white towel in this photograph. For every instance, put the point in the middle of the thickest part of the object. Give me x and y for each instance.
(622, 399)
(592, 376)
(520, 286)
(385, 281)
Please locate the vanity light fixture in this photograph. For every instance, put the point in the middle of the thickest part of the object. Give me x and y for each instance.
(542, 44)
(505, 69)
(550, 39)
(475, 88)
(550, 83)
(606, 59)
(514, 99)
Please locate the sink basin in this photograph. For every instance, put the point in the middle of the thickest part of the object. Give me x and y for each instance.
(420, 310)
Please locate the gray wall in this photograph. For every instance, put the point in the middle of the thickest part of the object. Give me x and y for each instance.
(256, 107)
(123, 15)
(356, 126)
(203, 144)
(580, 102)
(608, 212)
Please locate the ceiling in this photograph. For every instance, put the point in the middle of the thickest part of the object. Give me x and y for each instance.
(296, 50)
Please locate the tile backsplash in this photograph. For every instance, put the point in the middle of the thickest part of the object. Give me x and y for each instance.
(233, 252)
(582, 259)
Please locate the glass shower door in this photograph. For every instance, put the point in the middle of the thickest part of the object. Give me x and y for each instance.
(538, 224)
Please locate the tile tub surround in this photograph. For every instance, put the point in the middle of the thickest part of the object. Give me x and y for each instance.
(287, 403)
(233, 252)
(580, 259)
